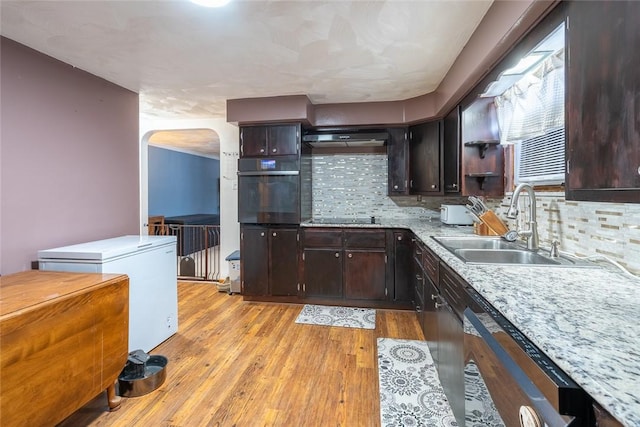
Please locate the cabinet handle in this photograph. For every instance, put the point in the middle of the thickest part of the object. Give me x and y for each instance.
(418, 277)
(411, 183)
(350, 255)
(337, 254)
(433, 186)
(399, 237)
(438, 305)
(418, 308)
(262, 150)
(454, 185)
(395, 187)
(274, 234)
(274, 150)
(434, 297)
(262, 234)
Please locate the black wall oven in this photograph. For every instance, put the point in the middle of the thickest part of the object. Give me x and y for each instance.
(508, 381)
(269, 190)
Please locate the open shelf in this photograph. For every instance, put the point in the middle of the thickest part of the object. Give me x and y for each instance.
(480, 177)
(482, 145)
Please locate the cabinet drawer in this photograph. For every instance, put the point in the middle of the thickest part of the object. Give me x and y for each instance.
(322, 237)
(452, 289)
(365, 239)
(430, 262)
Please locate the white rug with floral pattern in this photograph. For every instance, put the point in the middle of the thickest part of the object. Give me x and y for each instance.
(350, 317)
(410, 390)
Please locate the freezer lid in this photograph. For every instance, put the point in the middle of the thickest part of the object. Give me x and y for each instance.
(101, 250)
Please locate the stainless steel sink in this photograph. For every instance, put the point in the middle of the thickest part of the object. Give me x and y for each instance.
(470, 242)
(503, 256)
(492, 250)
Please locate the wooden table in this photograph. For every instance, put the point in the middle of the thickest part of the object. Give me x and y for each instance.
(63, 340)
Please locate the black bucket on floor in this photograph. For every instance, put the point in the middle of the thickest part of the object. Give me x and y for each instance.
(142, 374)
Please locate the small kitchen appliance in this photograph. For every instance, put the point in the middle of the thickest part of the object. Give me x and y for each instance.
(455, 215)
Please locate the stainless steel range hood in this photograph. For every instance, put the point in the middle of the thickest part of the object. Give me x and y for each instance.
(349, 139)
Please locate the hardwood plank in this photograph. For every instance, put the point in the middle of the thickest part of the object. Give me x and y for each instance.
(239, 363)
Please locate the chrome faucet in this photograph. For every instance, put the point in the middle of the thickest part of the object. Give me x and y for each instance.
(532, 233)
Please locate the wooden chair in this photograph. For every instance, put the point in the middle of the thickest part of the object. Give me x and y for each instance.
(156, 225)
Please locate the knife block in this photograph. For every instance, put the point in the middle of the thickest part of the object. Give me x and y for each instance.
(481, 229)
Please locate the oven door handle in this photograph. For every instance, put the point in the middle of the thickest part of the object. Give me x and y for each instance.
(537, 399)
(269, 173)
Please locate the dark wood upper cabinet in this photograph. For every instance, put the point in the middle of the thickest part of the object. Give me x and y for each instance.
(270, 140)
(398, 162)
(482, 164)
(451, 151)
(425, 148)
(603, 101)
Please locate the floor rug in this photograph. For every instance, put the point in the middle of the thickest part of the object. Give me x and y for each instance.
(348, 317)
(410, 390)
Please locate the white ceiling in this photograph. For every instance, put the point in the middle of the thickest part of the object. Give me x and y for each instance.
(185, 60)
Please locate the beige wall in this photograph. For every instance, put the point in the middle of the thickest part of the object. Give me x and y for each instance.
(69, 157)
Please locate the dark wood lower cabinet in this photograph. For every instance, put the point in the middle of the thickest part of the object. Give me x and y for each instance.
(402, 266)
(365, 274)
(327, 265)
(269, 261)
(451, 304)
(322, 272)
(254, 265)
(283, 261)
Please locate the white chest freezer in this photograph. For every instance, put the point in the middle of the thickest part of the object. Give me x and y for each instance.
(149, 261)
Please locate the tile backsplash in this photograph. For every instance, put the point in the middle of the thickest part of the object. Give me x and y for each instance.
(583, 228)
(350, 185)
(355, 185)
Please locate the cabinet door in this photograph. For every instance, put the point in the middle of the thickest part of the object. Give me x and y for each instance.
(603, 101)
(424, 158)
(402, 266)
(365, 274)
(451, 151)
(417, 280)
(322, 272)
(253, 141)
(254, 260)
(451, 358)
(283, 140)
(430, 317)
(283, 261)
(398, 162)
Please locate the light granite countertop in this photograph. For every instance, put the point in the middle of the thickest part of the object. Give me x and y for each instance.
(585, 319)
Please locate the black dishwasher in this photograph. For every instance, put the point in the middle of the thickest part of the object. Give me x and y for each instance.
(508, 380)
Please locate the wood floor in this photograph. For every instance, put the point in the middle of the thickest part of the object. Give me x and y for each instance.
(236, 363)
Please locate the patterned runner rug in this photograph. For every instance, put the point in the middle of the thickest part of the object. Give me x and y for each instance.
(410, 390)
(349, 317)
